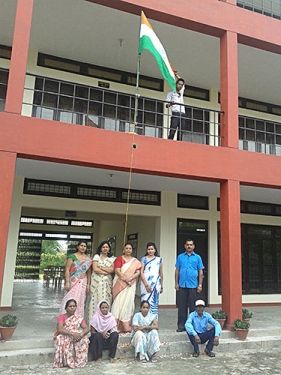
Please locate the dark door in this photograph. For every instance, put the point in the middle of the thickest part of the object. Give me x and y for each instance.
(196, 230)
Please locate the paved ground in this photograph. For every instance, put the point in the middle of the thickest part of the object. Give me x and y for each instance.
(266, 362)
(37, 308)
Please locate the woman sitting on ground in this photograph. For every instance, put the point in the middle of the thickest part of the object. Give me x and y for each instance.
(145, 338)
(104, 335)
(71, 342)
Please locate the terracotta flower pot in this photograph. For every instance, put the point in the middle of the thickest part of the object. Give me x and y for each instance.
(7, 333)
(222, 322)
(242, 334)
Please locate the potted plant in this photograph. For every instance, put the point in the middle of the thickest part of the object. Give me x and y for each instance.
(246, 315)
(242, 328)
(8, 325)
(220, 316)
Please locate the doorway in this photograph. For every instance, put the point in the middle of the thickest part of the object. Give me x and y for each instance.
(196, 230)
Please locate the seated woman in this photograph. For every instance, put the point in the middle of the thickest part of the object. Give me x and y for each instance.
(145, 337)
(71, 342)
(104, 335)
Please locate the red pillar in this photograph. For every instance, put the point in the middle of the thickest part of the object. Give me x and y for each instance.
(231, 270)
(19, 56)
(7, 174)
(229, 89)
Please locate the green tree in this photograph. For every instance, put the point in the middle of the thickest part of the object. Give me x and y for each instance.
(51, 246)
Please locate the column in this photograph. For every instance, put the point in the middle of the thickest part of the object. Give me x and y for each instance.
(19, 56)
(231, 270)
(229, 90)
(7, 174)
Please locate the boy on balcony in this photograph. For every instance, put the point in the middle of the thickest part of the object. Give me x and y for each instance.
(176, 102)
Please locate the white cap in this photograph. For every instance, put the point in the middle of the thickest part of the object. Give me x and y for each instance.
(199, 302)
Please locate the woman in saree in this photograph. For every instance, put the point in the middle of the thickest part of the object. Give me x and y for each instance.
(101, 279)
(71, 342)
(104, 333)
(151, 277)
(77, 278)
(127, 271)
(145, 337)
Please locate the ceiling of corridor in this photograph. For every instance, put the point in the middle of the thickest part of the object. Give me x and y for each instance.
(79, 30)
(103, 177)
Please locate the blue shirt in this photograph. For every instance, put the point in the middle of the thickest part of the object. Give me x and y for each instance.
(188, 266)
(199, 324)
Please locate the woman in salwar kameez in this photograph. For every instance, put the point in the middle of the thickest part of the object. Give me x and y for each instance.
(145, 337)
(71, 342)
(127, 271)
(77, 278)
(102, 276)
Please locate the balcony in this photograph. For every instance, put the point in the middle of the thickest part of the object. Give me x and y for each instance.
(97, 107)
(271, 8)
(78, 104)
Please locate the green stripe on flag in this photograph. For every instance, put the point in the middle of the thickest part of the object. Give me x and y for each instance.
(145, 43)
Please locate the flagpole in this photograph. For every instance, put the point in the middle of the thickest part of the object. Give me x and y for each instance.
(137, 94)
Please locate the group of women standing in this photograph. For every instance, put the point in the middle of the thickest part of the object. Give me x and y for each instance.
(95, 276)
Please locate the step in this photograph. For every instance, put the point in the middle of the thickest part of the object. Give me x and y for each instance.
(180, 345)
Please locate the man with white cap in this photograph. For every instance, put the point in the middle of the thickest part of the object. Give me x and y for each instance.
(198, 332)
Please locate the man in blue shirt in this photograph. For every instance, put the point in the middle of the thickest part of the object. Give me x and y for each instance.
(197, 329)
(188, 282)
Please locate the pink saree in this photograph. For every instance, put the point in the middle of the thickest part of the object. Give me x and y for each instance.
(70, 353)
(78, 280)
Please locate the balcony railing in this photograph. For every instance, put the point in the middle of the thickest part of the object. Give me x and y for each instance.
(111, 110)
(271, 8)
(259, 135)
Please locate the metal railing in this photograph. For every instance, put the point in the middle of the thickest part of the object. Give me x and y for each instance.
(271, 8)
(111, 110)
(259, 135)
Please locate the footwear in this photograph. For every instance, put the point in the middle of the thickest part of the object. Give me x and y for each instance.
(153, 358)
(181, 330)
(210, 354)
(143, 361)
(195, 354)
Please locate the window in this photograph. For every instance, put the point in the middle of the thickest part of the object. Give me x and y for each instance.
(259, 135)
(101, 72)
(271, 8)
(197, 93)
(257, 208)
(4, 74)
(261, 259)
(71, 103)
(103, 193)
(5, 52)
(193, 201)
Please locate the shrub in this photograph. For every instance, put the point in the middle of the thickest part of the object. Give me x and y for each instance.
(220, 314)
(8, 321)
(247, 314)
(241, 324)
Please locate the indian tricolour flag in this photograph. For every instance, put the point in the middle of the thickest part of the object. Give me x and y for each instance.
(149, 41)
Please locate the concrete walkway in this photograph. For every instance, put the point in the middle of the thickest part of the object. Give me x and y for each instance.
(37, 308)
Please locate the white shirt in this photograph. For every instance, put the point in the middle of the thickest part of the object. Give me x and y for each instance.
(177, 98)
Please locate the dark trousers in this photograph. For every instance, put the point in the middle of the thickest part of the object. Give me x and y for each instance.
(98, 343)
(186, 298)
(177, 122)
(204, 337)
